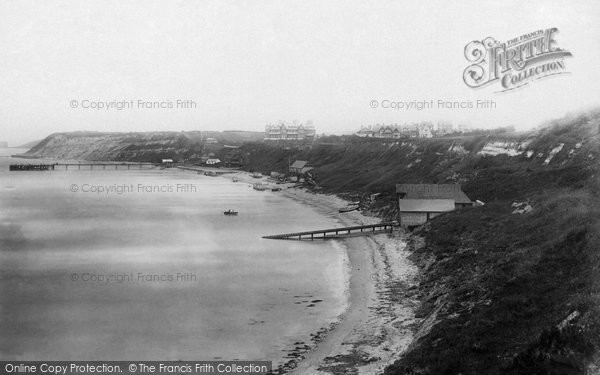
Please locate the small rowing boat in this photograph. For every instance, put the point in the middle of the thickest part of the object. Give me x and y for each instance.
(350, 207)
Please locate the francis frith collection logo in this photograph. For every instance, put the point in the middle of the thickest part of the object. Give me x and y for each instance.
(514, 63)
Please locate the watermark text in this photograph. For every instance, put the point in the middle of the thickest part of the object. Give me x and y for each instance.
(131, 104)
(121, 189)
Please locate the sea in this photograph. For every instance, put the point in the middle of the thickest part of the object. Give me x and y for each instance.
(143, 265)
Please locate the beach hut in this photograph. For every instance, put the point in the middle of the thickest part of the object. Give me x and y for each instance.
(299, 167)
(419, 203)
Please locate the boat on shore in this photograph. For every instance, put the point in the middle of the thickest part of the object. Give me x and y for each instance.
(230, 212)
(258, 186)
(350, 207)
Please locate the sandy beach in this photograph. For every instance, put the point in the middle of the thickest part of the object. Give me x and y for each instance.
(378, 323)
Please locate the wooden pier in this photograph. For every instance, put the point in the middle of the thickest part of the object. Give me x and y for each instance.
(31, 167)
(208, 171)
(80, 166)
(102, 166)
(325, 234)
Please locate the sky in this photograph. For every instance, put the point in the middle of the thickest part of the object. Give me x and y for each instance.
(243, 64)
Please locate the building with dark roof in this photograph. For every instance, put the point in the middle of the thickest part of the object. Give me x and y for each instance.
(419, 203)
(299, 167)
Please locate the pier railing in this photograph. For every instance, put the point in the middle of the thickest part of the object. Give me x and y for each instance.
(79, 166)
(92, 166)
(324, 234)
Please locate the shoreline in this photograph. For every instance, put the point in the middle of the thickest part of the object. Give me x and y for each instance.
(378, 323)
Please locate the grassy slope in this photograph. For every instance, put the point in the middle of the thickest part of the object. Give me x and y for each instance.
(359, 164)
(499, 284)
(147, 146)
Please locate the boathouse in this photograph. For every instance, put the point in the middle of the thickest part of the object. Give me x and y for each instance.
(299, 167)
(419, 203)
(168, 163)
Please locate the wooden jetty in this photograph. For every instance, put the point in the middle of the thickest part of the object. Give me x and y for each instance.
(210, 171)
(79, 166)
(324, 234)
(31, 167)
(102, 166)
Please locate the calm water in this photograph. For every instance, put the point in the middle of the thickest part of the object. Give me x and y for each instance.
(238, 296)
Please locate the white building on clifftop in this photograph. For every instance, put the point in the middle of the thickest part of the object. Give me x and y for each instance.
(295, 131)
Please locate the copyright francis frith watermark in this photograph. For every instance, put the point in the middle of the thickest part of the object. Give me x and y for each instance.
(516, 62)
(131, 104)
(132, 277)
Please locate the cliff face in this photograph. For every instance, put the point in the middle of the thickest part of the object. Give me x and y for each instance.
(148, 146)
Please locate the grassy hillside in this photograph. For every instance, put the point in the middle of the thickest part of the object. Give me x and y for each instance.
(513, 293)
(148, 146)
(500, 285)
